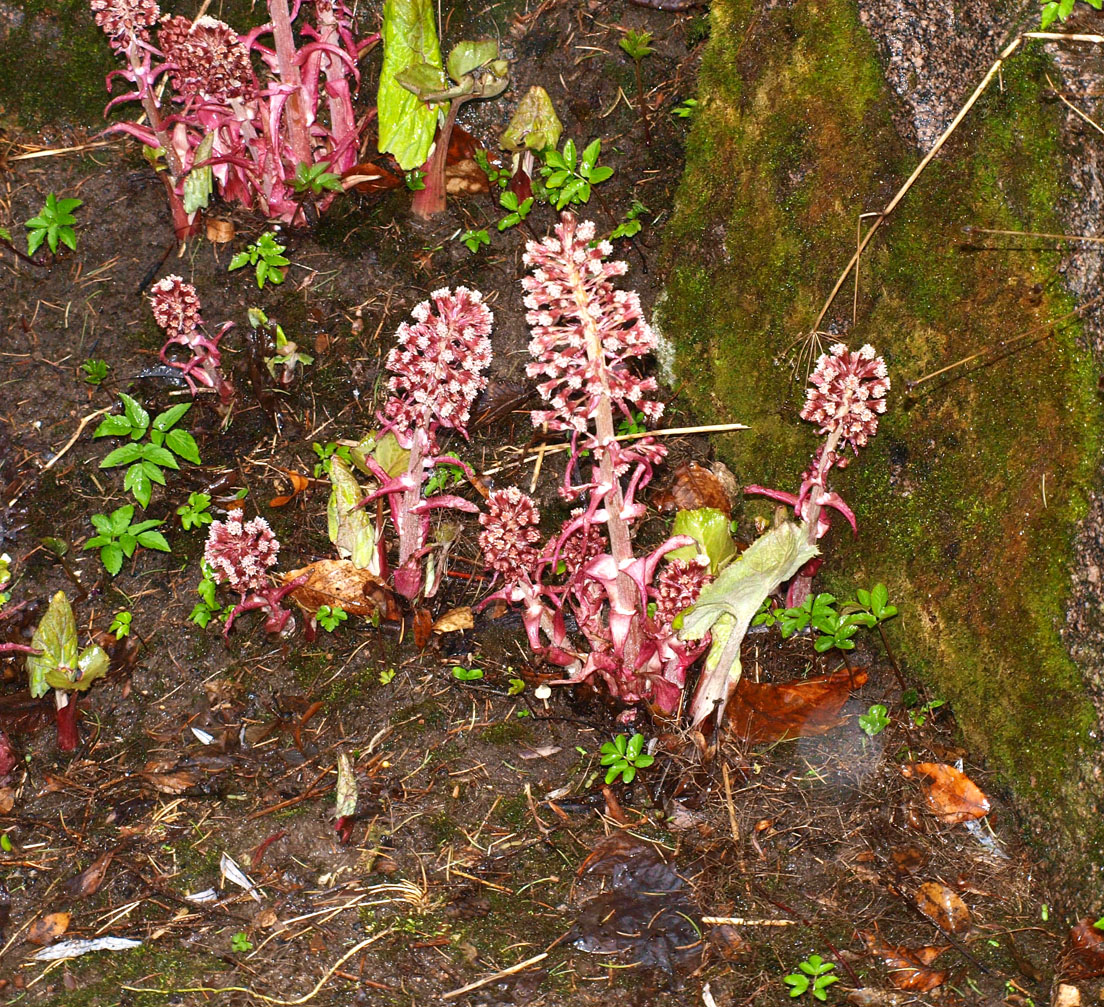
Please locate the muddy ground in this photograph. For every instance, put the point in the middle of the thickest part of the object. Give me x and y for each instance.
(477, 808)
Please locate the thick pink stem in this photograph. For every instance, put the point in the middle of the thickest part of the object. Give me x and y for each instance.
(153, 113)
(430, 201)
(67, 735)
(289, 74)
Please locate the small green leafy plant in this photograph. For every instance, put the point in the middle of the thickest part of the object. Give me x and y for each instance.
(208, 607)
(53, 224)
(875, 720)
(329, 617)
(95, 371)
(919, 712)
(120, 624)
(624, 756)
(631, 224)
(475, 239)
(240, 943)
(387, 676)
(569, 176)
(637, 45)
(327, 451)
(315, 179)
(444, 476)
(414, 179)
(1059, 10)
(462, 674)
(519, 210)
(686, 109)
(267, 258)
(146, 461)
(814, 976)
(836, 628)
(119, 537)
(195, 513)
(635, 424)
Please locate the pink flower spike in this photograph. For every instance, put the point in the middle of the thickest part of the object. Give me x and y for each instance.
(241, 553)
(175, 305)
(847, 394)
(511, 529)
(125, 20)
(208, 60)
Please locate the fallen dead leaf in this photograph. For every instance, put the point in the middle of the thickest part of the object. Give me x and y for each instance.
(423, 627)
(907, 859)
(455, 620)
(943, 907)
(339, 582)
(7, 799)
(543, 752)
(48, 928)
(694, 486)
(765, 712)
(370, 177)
(465, 178)
(219, 231)
(89, 880)
(950, 794)
(299, 482)
(171, 783)
(909, 967)
(1083, 955)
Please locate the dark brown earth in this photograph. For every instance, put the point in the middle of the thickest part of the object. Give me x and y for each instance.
(473, 820)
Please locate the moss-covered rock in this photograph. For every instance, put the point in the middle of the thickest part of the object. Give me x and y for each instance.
(969, 495)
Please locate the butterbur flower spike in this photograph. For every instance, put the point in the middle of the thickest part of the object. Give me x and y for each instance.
(209, 61)
(847, 395)
(241, 552)
(510, 531)
(175, 305)
(124, 20)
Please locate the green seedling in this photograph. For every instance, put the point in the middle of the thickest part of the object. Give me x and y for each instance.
(921, 713)
(329, 617)
(569, 176)
(315, 179)
(414, 179)
(1059, 10)
(875, 720)
(462, 674)
(195, 513)
(387, 676)
(516, 687)
(443, 476)
(6, 843)
(207, 608)
(120, 624)
(686, 109)
(95, 371)
(53, 224)
(496, 176)
(635, 424)
(476, 239)
(631, 224)
(119, 537)
(325, 452)
(624, 756)
(240, 943)
(813, 977)
(267, 258)
(519, 210)
(637, 45)
(146, 461)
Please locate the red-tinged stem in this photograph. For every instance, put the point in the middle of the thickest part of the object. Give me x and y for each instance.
(289, 74)
(342, 121)
(430, 201)
(67, 735)
(153, 113)
(801, 586)
(407, 574)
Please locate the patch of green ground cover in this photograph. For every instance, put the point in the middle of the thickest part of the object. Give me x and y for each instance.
(949, 494)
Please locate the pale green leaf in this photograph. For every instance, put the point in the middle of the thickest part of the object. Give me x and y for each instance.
(535, 125)
(709, 527)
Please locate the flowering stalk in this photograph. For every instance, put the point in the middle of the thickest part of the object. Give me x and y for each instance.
(240, 555)
(253, 135)
(586, 334)
(436, 374)
(175, 305)
(846, 395)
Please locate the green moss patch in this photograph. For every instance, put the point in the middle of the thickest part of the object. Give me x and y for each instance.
(794, 140)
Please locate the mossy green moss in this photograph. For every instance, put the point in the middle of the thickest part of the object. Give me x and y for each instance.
(794, 140)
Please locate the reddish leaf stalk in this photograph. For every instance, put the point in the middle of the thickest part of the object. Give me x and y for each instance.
(67, 736)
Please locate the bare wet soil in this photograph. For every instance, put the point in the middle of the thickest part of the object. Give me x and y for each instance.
(483, 837)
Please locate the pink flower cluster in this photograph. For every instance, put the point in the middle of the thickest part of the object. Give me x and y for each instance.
(677, 587)
(176, 308)
(583, 353)
(511, 526)
(208, 61)
(241, 552)
(437, 366)
(847, 394)
(123, 20)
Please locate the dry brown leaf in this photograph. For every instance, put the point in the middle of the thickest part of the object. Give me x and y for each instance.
(89, 880)
(7, 799)
(909, 967)
(423, 627)
(370, 177)
(943, 907)
(455, 620)
(219, 231)
(1083, 955)
(907, 859)
(171, 783)
(465, 178)
(765, 712)
(299, 482)
(339, 582)
(694, 486)
(48, 928)
(950, 794)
